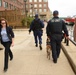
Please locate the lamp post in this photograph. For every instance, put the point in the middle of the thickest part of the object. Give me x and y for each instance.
(32, 9)
(5, 13)
(25, 7)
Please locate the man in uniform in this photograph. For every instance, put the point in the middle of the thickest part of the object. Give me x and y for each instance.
(36, 26)
(54, 32)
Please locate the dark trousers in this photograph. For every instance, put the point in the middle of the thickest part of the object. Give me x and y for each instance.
(56, 45)
(7, 53)
(38, 36)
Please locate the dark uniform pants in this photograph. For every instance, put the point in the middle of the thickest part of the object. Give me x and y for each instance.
(56, 45)
(7, 52)
(38, 36)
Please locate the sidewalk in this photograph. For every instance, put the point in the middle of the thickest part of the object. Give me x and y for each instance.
(30, 60)
(70, 52)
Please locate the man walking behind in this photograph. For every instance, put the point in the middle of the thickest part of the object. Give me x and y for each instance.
(54, 32)
(36, 26)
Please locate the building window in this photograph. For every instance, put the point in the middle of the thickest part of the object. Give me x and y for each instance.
(30, 0)
(45, 10)
(0, 2)
(5, 4)
(45, 5)
(31, 6)
(45, 1)
(26, 6)
(30, 10)
(40, 5)
(35, 5)
(35, 10)
(35, 0)
(40, 10)
(40, 0)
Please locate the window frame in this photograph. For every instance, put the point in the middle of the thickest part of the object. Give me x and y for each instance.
(0, 3)
(30, 0)
(40, 0)
(45, 0)
(40, 10)
(35, 0)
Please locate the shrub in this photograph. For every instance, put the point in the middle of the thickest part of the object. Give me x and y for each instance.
(27, 21)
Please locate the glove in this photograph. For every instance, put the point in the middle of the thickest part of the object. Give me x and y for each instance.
(29, 31)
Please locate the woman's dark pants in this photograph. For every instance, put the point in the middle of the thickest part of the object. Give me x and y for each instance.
(7, 53)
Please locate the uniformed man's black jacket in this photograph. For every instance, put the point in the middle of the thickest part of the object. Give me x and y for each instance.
(56, 26)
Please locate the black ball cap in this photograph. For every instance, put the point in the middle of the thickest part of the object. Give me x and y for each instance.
(55, 12)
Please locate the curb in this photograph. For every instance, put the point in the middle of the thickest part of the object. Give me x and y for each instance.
(1, 46)
(69, 54)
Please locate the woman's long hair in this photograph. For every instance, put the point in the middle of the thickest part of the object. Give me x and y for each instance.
(3, 19)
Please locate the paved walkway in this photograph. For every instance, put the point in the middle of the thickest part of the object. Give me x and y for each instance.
(29, 60)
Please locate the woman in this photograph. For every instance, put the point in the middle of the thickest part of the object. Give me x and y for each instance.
(7, 40)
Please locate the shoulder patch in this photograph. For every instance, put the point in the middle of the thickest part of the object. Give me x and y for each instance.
(57, 20)
(52, 20)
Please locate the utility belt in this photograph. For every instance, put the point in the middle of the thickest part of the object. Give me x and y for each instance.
(37, 29)
(57, 33)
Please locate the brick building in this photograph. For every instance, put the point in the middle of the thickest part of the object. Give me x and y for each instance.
(13, 11)
(32, 6)
(11, 4)
(40, 7)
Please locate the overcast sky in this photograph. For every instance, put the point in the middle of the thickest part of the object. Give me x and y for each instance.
(65, 7)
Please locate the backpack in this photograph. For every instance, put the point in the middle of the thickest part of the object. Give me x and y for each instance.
(36, 25)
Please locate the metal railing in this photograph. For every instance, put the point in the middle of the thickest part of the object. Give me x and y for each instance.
(71, 35)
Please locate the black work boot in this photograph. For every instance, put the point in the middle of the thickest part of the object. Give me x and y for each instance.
(5, 69)
(40, 47)
(55, 61)
(36, 45)
(11, 58)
